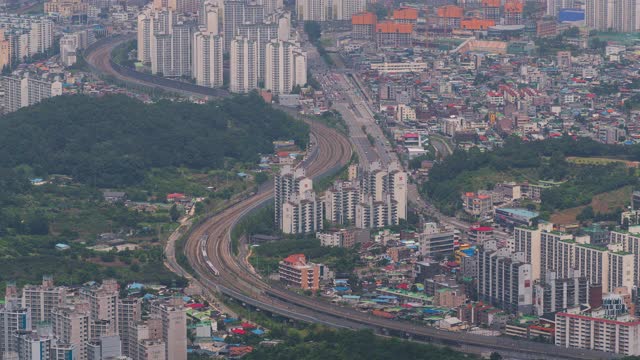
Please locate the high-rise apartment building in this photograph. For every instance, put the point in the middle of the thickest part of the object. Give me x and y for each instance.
(243, 66)
(302, 214)
(164, 41)
(103, 306)
(237, 13)
(285, 66)
(597, 14)
(13, 317)
(42, 299)
(620, 335)
(504, 279)
(314, 10)
(288, 182)
(207, 59)
(552, 294)
(72, 325)
(261, 33)
(340, 202)
(622, 15)
(554, 6)
(129, 312)
(173, 315)
(25, 91)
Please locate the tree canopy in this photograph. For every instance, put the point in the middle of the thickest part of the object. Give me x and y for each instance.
(112, 141)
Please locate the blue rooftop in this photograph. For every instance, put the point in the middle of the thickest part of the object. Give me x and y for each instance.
(520, 212)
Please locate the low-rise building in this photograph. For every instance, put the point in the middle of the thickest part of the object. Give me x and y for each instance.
(295, 271)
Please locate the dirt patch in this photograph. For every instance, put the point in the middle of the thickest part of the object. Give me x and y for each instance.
(601, 203)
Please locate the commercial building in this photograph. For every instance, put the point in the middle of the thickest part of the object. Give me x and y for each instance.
(70, 10)
(477, 204)
(243, 65)
(514, 217)
(393, 35)
(399, 67)
(295, 271)
(620, 335)
(436, 242)
(23, 90)
(480, 234)
(504, 279)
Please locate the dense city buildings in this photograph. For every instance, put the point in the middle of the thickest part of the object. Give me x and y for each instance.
(89, 322)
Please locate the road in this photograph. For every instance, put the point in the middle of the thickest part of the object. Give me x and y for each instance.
(208, 249)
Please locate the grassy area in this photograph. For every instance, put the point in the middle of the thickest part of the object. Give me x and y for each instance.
(596, 161)
(76, 214)
(265, 257)
(623, 38)
(602, 203)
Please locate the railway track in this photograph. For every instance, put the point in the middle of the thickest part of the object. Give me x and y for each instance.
(208, 248)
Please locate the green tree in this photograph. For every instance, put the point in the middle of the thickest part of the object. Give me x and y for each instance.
(174, 214)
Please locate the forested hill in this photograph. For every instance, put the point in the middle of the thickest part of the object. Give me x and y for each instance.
(111, 141)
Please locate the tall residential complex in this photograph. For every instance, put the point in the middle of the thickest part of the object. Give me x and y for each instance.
(25, 36)
(297, 209)
(504, 278)
(88, 323)
(326, 10)
(243, 66)
(21, 91)
(164, 41)
(173, 316)
(237, 13)
(376, 197)
(207, 59)
(285, 66)
(618, 15)
(554, 6)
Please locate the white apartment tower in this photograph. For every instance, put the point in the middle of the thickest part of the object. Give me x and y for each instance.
(262, 34)
(243, 65)
(302, 214)
(24, 91)
(145, 31)
(285, 67)
(597, 14)
(554, 6)
(13, 317)
(622, 15)
(287, 183)
(207, 59)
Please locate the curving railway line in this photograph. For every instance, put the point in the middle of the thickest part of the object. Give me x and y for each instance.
(208, 247)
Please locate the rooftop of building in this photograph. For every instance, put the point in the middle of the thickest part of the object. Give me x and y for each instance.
(389, 27)
(520, 212)
(365, 18)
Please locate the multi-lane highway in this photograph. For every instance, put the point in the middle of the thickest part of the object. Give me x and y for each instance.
(209, 251)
